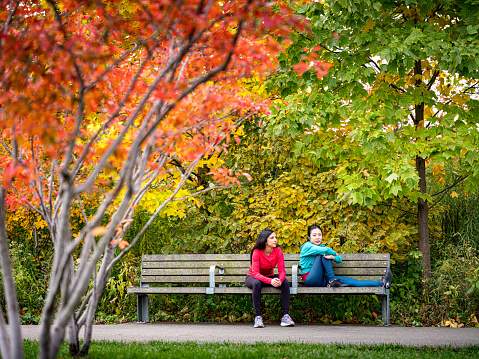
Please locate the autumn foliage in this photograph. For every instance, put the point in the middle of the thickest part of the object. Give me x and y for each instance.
(119, 98)
(84, 80)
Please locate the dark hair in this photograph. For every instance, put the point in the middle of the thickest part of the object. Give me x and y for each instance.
(261, 241)
(311, 227)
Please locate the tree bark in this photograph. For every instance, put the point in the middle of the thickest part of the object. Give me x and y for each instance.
(14, 347)
(423, 218)
(422, 205)
(73, 337)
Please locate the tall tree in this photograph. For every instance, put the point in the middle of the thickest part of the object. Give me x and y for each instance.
(105, 96)
(403, 85)
(288, 191)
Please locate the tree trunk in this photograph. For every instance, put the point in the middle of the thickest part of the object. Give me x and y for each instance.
(51, 334)
(73, 337)
(14, 347)
(423, 218)
(422, 206)
(101, 281)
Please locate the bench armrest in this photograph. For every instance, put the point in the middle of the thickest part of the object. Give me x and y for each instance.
(294, 282)
(211, 288)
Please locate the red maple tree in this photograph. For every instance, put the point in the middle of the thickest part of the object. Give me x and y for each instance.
(102, 96)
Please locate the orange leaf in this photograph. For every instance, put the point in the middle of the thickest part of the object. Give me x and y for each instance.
(123, 244)
(98, 231)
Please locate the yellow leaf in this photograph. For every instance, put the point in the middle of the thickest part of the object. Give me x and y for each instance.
(337, 322)
(369, 26)
(437, 169)
(427, 112)
(459, 99)
(454, 194)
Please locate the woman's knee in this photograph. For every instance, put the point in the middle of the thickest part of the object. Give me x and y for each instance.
(285, 283)
(256, 284)
(325, 260)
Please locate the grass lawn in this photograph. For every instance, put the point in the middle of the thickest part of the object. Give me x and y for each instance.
(120, 350)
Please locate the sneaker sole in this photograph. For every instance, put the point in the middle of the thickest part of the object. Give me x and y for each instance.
(287, 325)
(259, 326)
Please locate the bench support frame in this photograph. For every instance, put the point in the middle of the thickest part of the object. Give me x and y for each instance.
(142, 305)
(386, 309)
(211, 288)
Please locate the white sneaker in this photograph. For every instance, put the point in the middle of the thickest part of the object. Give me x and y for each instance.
(258, 322)
(286, 321)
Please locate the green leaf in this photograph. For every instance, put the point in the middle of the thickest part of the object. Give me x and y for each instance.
(472, 29)
(392, 177)
(395, 189)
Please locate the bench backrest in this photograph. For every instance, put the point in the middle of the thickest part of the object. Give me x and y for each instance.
(195, 268)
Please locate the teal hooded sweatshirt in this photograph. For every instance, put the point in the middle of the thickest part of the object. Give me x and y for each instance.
(310, 250)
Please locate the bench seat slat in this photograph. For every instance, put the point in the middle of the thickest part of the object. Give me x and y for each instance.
(191, 279)
(246, 264)
(341, 271)
(194, 257)
(364, 264)
(197, 264)
(222, 279)
(245, 290)
(166, 290)
(246, 257)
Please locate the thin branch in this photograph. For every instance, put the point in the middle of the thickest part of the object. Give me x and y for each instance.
(444, 191)
(402, 210)
(116, 113)
(433, 79)
(11, 13)
(83, 304)
(157, 212)
(199, 192)
(6, 148)
(85, 218)
(456, 182)
(111, 67)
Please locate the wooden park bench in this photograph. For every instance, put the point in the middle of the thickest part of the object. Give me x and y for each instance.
(225, 274)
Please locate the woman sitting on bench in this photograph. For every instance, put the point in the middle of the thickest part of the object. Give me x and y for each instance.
(265, 256)
(317, 268)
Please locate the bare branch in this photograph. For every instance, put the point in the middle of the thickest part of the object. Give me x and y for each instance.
(12, 10)
(402, 210)
(433, 79)
(446, 190)
(111, 67)
(199, 192)
(6, 148)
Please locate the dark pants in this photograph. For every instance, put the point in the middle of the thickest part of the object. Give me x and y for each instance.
(322, 272)
(256, 285)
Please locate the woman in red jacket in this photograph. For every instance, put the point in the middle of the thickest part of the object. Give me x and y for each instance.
(264, 257)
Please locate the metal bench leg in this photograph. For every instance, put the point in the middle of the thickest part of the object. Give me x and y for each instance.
(386, 309)
(143, 312)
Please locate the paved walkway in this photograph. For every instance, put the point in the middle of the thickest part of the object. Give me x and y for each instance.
(307, 333)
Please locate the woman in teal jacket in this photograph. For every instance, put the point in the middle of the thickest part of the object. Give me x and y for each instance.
(317, 268)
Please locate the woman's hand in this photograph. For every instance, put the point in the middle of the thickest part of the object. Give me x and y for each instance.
(330, 256)
(276, 282)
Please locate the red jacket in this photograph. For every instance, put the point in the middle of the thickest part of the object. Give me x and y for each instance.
(262, 266)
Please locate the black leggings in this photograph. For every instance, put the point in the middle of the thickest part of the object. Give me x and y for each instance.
(256, 285)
